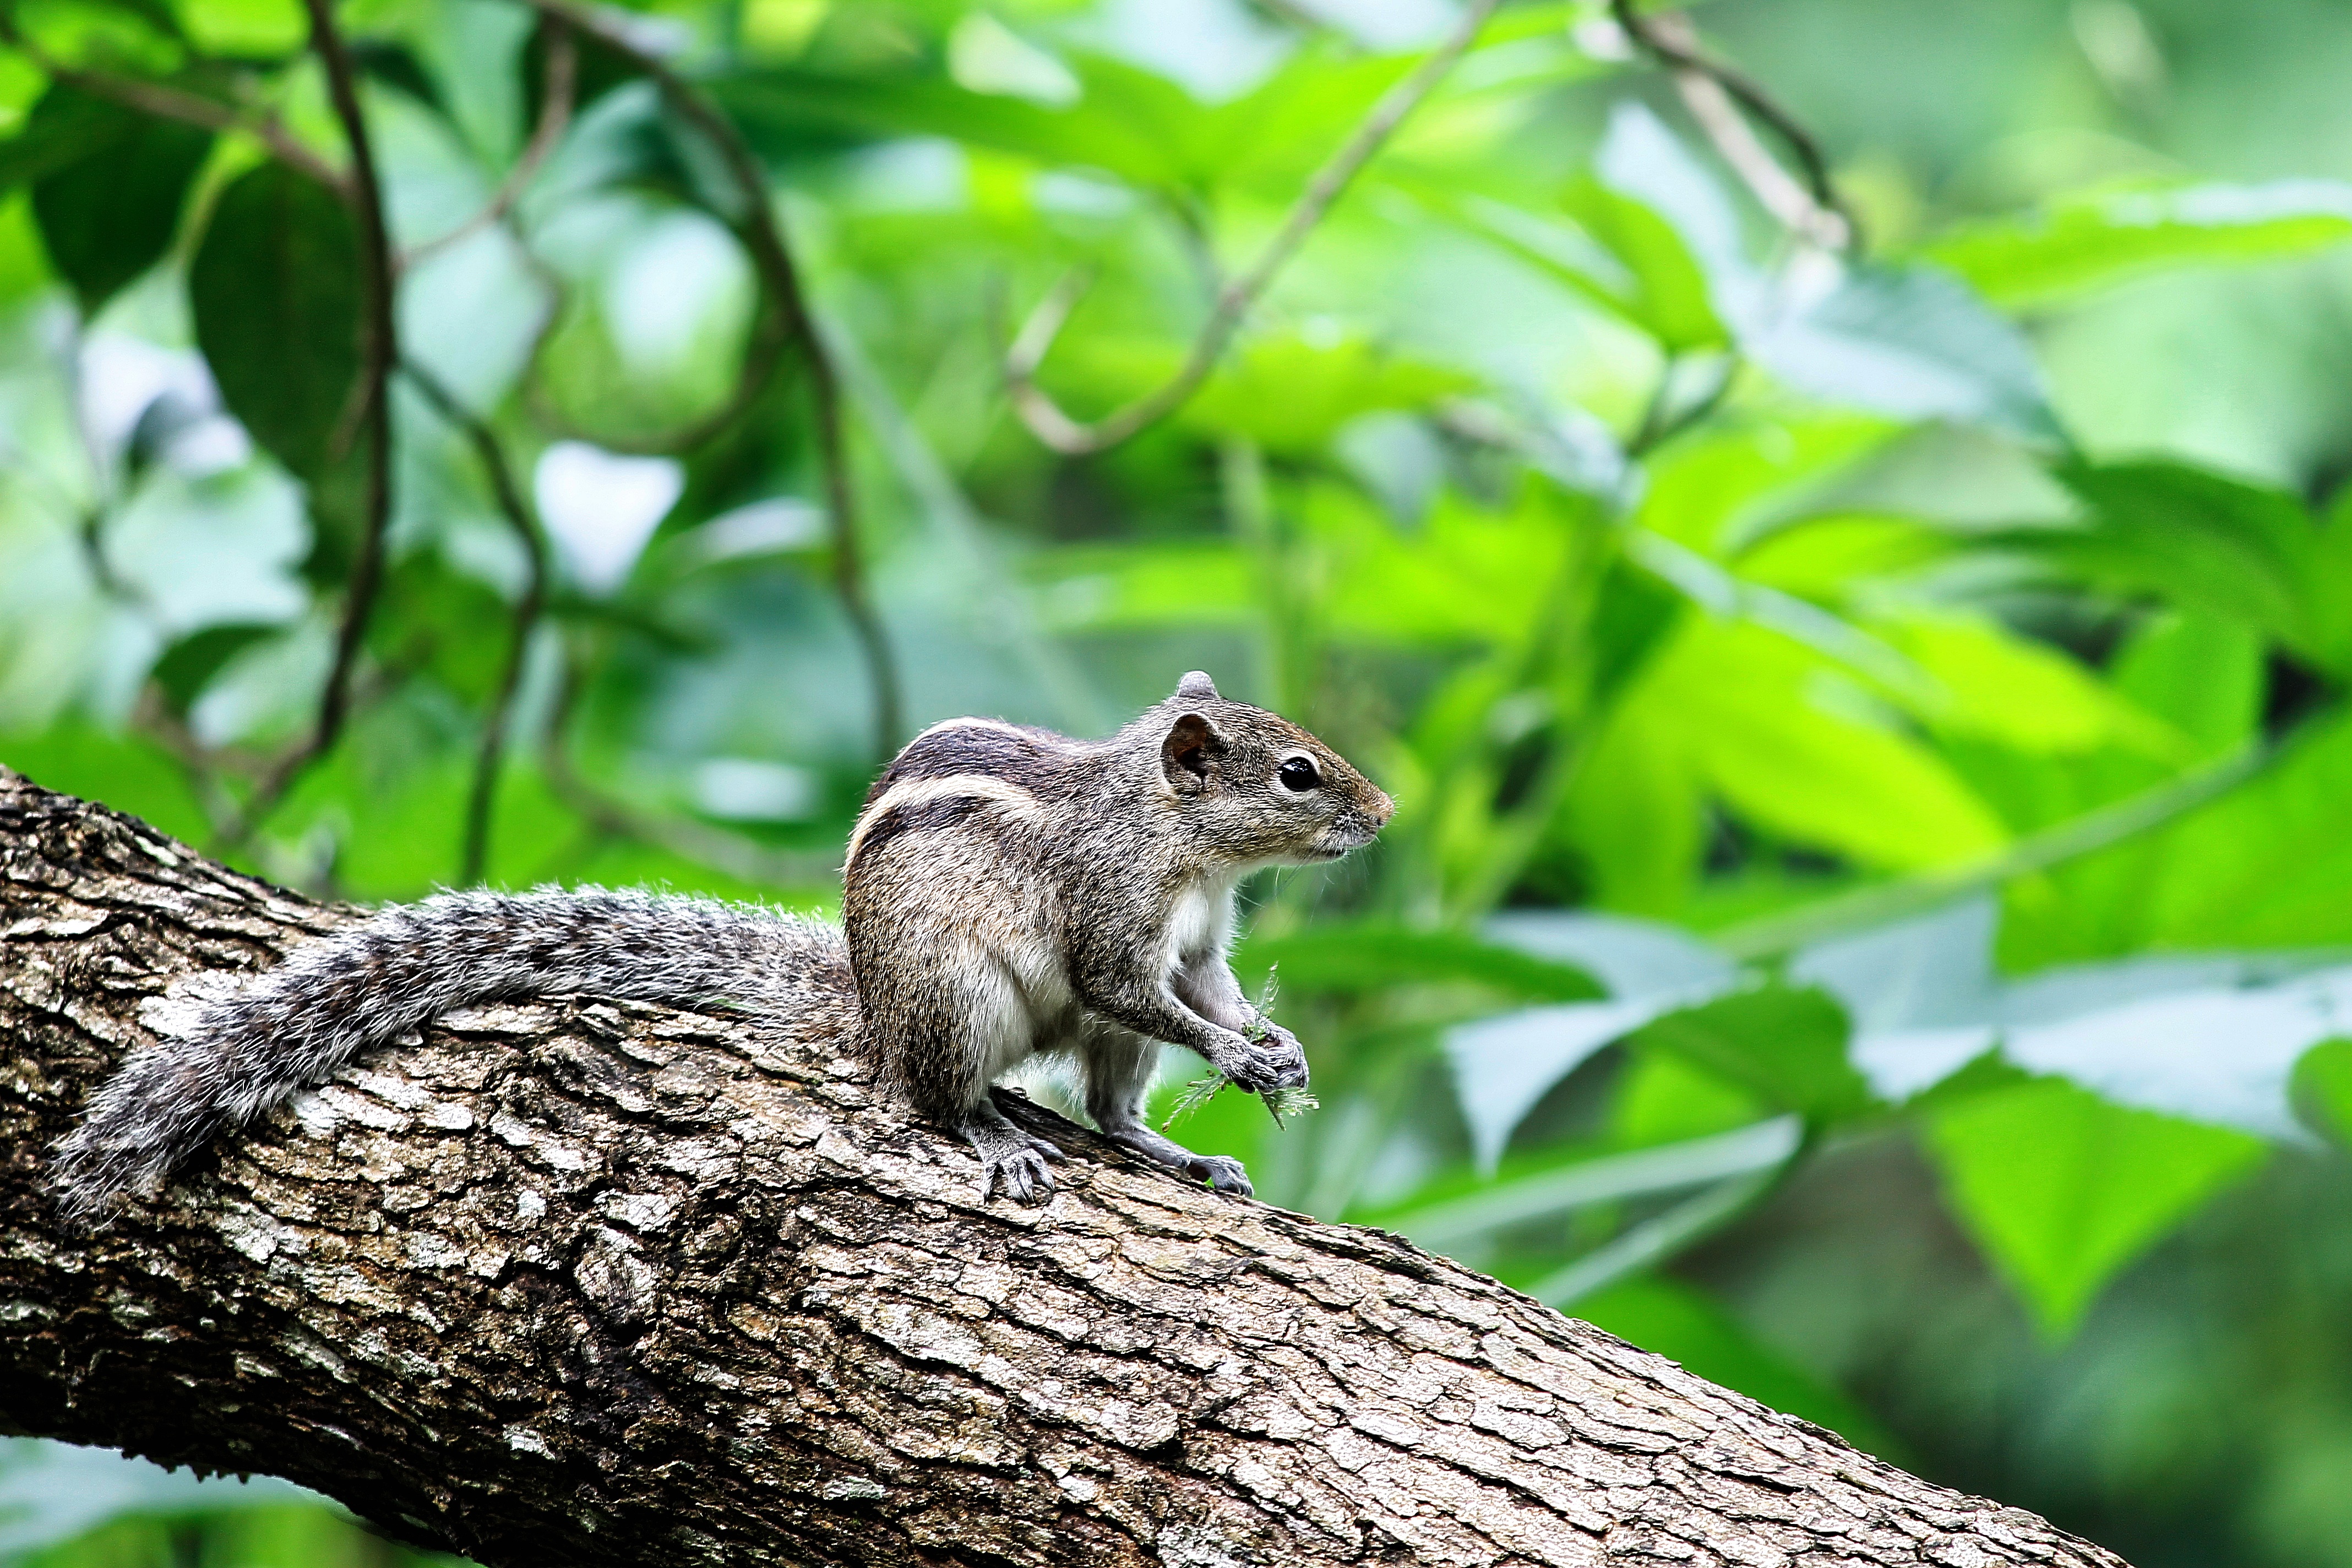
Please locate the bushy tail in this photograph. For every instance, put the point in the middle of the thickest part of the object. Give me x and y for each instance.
(372, 982)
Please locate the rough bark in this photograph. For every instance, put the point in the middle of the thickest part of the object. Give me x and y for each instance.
(615, 1284)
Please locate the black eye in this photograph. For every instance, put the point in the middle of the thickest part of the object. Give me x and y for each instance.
(1297, 774)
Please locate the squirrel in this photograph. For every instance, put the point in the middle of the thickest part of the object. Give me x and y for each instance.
(1007, 892)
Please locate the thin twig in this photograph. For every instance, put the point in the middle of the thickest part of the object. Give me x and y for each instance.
(380, 350)
(728, 852)
(480, 800)
(187, 108)
(558, 96)
(764, 235)
(1055, 427)
(1710, 90)
(1663, 420)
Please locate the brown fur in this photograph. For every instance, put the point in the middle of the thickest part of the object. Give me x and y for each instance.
(1012, 892)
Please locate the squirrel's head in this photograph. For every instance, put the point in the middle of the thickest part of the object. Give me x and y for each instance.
(1255, 786)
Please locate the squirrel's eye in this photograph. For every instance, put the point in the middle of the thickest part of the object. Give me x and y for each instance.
(1297, 774)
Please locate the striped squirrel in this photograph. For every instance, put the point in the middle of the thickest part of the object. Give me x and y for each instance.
(1007, 892)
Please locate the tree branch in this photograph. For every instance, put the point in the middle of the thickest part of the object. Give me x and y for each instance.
(764, 235)
(380, 350)
(560, 89)
(1055, 427)
(1710, 90)
(530, 605)
(602, 1283)
(188, 108)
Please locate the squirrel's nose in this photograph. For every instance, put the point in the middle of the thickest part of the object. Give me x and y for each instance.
(1383, 809)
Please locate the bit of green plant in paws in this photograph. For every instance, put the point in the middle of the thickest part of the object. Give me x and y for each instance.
(1279, 1102)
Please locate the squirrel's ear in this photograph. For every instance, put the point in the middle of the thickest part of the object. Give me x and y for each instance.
(1196, 686)
(1191, 743)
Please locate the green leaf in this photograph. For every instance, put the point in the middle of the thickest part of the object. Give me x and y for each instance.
(783, 108)
(2204, 541)
(2079, 246)
(1455, 1210)
(2062, 1189)
(1291, 396)
(276, 291)
(188, 666)
(1664, 291)
(1756, 714)
(2321, 1089)
(112, 184)
(1372, 956)
(1914, 343)
(1785, 1044)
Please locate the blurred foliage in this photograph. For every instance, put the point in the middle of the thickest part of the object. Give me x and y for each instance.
(1866, 915)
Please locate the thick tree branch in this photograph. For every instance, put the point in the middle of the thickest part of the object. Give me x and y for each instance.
(1055, 427)
(612, 1284)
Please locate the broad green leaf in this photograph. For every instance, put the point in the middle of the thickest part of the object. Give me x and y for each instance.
(1291, 396)
(1457, 1209)
(1664, 1097)
(2203, 540)
(24, 268)
(2062, 1189)
(1910, 342)
(1705, 487)
(2026, 695)
(108, 213)
(2087, 244)
(21, 85)
(1784, 1044)
(246, 29)
(63, 128)
(1369, 957)
(1622, 256)
(2265, 865)
(2201, 674)
(276, 292)
(1469, 575)
(1103, 587)
(1664, 291)
(1682, 1323)
(784, 108)
(1759, 718)
(2322, 1088)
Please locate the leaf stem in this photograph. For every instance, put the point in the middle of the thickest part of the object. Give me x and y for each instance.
(529, 606)
(1710, 90)
(558, 100)
(1045, 418)
(2084, 834)
(380, 350)
(764, 235)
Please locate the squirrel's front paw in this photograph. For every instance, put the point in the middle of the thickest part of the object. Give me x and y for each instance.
(1274, 1060)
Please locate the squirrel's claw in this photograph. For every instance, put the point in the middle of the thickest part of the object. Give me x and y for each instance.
(1222, 1174)
(1023, 1172)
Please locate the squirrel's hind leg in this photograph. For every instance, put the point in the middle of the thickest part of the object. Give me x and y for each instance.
(967, 1024)
(1118, 1064)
